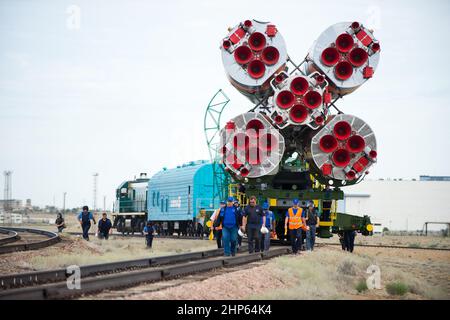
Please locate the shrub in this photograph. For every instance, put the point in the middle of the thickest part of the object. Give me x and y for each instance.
(361, 286)
(397, 288)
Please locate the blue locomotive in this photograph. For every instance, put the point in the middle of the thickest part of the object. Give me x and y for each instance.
(175, 199)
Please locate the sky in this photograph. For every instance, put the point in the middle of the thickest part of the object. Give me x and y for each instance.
(120, 87)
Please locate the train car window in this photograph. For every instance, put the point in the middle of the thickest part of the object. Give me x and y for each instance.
(162, 205)
(157, 198)
(167, 204)
(153, 198)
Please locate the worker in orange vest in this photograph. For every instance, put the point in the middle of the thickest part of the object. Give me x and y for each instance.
(216, 225)
(296, 222)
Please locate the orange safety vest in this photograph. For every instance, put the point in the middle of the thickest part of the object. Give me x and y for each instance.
(295, 220)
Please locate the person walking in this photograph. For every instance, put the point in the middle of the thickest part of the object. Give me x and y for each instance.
(200, 224)
(85, 218)
(149, 231)
(60, 223)
(349, 240)
(295, 222)
(251, 222)
(270, 225)
(217, 227)
(312, 223)
(239, 211)
(104, 227)
(230, 221)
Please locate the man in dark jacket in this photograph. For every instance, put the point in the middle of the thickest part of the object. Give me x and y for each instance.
(104, 227)
(85, 218)
(251, 222)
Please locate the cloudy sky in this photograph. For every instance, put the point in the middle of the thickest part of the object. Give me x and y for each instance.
(120, 87)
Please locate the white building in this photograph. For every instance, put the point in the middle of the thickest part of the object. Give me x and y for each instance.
(400, 205)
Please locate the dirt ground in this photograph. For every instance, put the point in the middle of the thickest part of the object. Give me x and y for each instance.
(326, 273)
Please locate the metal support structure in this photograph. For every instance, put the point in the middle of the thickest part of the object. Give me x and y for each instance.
(425, 227)
(212, 127)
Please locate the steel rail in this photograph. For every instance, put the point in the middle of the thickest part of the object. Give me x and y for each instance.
(99, 283)
(52, 239)
(13, 236)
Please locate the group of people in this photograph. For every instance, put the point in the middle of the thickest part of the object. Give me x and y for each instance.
(231, 221)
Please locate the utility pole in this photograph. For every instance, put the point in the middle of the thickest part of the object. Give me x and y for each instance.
(104, 203)
(64, 201)
(7, 205)
(95, 175)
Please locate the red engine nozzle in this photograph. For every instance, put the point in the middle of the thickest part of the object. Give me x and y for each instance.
(341, 158)
(328, 143)
(312, 99)
(226, 44)
(375, 47)
(256, 69)
(373, 154)
(253, 128)
(241, 141)
(351, 175)
(299, 86)
(330, 56)
(298, 113)
(248, 23)
(285, 99)
(267, 142)
(257, 41)
(343, 70)
(270, 55)
(243, 55)
(342, 130)
(344, 42)
(244, 172)
(355, 25)
(356, 144)
(358, 57)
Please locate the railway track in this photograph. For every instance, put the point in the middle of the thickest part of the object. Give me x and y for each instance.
(99, 277)
(24, 239)
(10, 236)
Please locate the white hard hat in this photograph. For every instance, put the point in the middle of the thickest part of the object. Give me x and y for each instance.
(240, 233)
(264, 230)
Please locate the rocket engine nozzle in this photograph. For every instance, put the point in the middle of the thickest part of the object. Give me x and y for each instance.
(243, 55)
(356, 144)
(342, 130)
(358, 57)
(328, 143)
(312, 99)
(257, 41)
(343, 70)
(341, 158)
(298, 113)
(270, 55)
(344, 42)
(285, 99)
(299, 86)
(330, 56)
(256, 69)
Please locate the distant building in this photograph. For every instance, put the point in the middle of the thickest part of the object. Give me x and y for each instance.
(12, 204)
(399, 205)
(434, 178)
